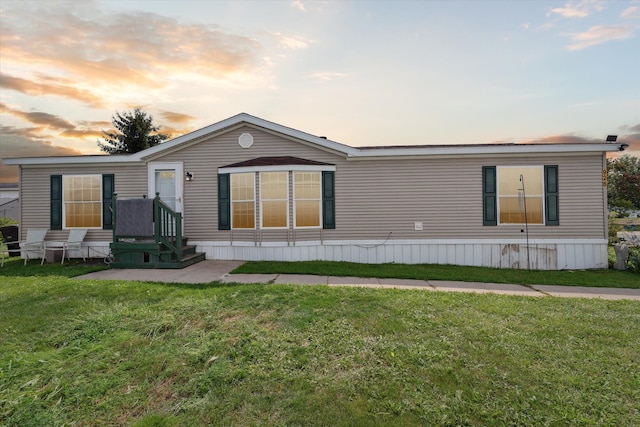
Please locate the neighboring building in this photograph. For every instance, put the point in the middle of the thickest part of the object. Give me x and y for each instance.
(250, 189)
(9, 204)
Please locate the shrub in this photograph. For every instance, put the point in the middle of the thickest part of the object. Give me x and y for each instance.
(7, 221)
(633, 262)
(613, 231)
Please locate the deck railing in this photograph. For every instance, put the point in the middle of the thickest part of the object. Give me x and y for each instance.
(167, 226)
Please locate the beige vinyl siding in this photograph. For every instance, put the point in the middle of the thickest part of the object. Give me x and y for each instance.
(35, 187)
(204, 159)
(382, 199)
(375, 198)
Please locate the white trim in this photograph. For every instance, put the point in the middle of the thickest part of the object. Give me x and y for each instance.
(278, 168)
(152, 167)
(380, 242)
(484, 150)
(62, 160)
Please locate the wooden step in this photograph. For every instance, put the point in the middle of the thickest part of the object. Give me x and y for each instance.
(148, 254)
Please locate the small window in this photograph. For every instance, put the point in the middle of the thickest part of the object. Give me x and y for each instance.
(243, 205)
(82, 201)
(307, 194)
(520, 189)
(274, 199)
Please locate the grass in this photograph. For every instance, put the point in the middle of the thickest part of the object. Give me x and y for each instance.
(593, 278)
(84, 352)
(14, 266)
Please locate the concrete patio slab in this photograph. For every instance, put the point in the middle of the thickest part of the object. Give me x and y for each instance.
(202, 272)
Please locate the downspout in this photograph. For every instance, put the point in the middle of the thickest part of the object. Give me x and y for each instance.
(605, 181)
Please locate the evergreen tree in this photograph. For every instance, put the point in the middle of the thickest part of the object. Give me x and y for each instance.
(135, 132)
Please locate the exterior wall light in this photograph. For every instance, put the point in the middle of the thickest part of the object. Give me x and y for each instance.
(188, 176)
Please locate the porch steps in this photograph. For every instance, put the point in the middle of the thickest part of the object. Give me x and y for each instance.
(149, 254)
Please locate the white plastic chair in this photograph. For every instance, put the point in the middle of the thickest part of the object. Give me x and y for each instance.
(73, 243)
(34, 244)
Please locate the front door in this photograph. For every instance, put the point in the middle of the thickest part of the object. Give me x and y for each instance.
(166, 179)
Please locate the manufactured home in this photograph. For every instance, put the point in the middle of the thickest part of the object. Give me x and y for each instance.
(249, 189)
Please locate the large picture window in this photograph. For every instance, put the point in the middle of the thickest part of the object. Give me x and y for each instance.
(274, 199)
(520, 189)
(307, 194)
(82, 201)
(243, 206)
(265, 194)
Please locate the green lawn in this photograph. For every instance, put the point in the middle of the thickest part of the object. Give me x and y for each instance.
(80, 352)
(595, 278)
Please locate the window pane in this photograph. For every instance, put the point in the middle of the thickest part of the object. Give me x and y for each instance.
(512, 210)
(307, 185)
(308, 213)
(274, 185)
(509, 183)
(242, 186)
(274, 214)
(243, 215)
(511, 194)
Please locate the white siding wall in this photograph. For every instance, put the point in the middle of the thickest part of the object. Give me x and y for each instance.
(541, 255)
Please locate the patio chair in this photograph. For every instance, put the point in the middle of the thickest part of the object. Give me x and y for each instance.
(73, 243)
(34, 244)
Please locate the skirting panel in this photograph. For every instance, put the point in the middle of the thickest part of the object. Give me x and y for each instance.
(536, 256)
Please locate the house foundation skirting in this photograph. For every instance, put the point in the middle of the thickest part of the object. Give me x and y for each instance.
(539, 254)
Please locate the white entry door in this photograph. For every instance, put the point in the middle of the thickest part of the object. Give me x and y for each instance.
(166, 179)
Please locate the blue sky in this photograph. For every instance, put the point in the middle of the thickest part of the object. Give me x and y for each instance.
(359, 72)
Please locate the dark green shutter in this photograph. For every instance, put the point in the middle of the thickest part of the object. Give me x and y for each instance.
(489, 196)
(224, 201)
(108, 183)
(328, 200)
(56, 202)
(552, 210)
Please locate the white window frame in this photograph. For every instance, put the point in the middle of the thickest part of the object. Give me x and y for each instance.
(232, 201)
(296, 199)
(499, 196)
(262, 200)
(64, 201)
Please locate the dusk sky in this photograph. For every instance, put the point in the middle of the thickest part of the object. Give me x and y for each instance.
(361, 73)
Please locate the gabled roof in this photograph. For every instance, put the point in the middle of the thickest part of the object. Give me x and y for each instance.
(321, 142)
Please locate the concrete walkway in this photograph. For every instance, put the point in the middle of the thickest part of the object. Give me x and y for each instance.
(210, 271)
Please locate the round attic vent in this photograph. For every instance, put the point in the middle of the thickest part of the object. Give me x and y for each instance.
(245, 140)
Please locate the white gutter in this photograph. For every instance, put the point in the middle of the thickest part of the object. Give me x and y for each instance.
(97, 159)
(487, 150)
